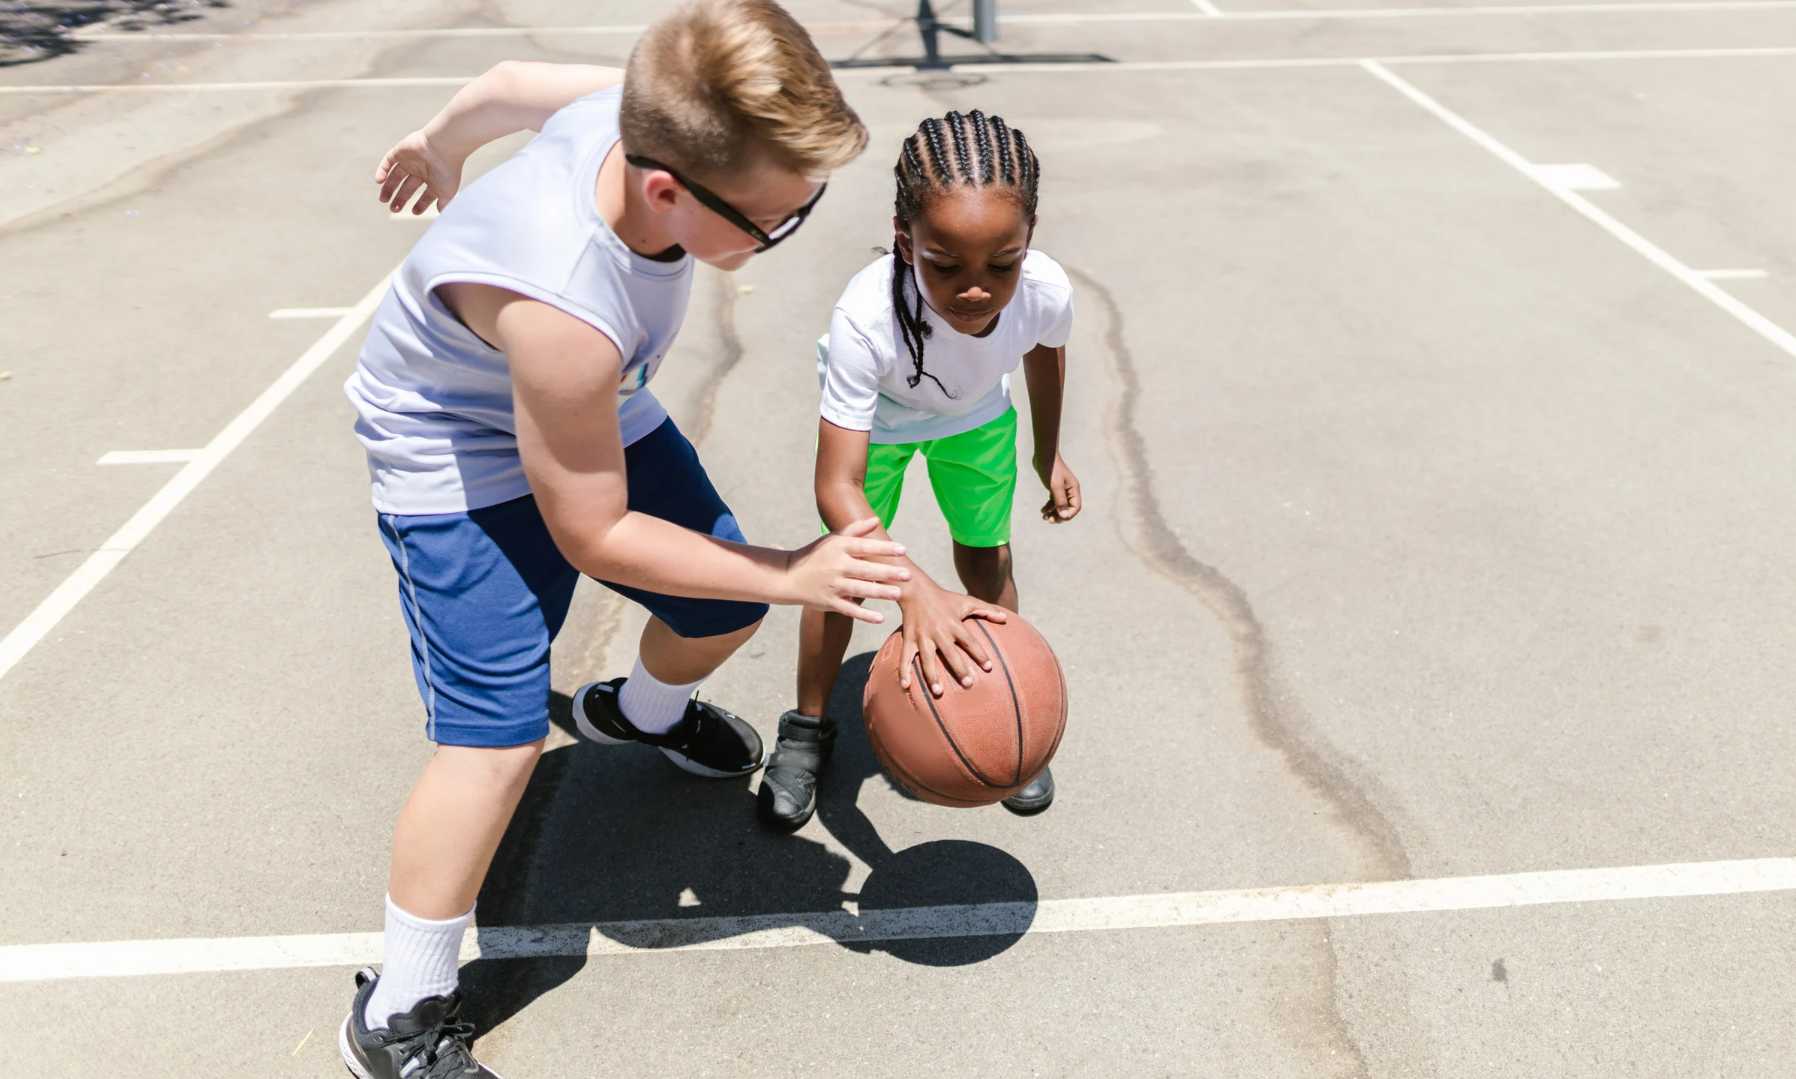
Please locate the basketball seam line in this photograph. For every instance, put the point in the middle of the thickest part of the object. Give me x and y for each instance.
(947, 735)
(1016, 706)
(906, 779)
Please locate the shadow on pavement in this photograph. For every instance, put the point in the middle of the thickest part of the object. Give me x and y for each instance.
(612, 834)
(33, 32)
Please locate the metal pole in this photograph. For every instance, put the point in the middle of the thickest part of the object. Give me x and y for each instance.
(929, 28)
(985, 21)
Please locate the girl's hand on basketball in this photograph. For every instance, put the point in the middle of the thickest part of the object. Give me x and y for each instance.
(839, 572)
(1063, 491)
(417, 166)
(936, 632)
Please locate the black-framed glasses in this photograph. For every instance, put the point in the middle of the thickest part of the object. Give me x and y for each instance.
(766, 238)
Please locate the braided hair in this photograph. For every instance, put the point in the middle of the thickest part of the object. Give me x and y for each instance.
(972, 150)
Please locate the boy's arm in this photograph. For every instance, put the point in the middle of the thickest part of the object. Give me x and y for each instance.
(565, 376)
(1044, 369)
(934, 618)
(512, 96)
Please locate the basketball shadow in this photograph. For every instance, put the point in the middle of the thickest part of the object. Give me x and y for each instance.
(945, 872)
(615, 834)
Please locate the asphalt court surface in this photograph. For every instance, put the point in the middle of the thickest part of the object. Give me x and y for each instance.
(1434, 530)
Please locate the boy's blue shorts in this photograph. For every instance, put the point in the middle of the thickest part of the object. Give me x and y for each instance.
(485, 592)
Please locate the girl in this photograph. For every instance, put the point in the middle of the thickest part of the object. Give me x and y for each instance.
(918, 360)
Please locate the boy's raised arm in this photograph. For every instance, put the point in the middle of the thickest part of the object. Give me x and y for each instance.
(513, 95)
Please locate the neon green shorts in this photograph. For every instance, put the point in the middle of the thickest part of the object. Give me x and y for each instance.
(973, 475)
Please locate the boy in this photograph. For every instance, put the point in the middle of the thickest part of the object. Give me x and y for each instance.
(513, 445)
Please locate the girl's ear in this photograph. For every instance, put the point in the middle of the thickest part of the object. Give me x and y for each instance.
(901, 242)
(1030, 240)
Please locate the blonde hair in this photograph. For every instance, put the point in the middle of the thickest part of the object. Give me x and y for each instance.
(717, 81)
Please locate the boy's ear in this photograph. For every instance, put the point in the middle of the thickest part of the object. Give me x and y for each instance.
(660, 190)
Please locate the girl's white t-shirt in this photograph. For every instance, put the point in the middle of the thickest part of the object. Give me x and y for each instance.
(865, 367)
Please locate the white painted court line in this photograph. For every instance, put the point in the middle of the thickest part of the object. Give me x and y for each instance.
(147, 457)
(260, 84)
(377, 33)
(1646, 7)
(1619, 8)
(1734, 275)
(132, 958)
(1205, 10)
(287, 313)
(1285, 62)
(1653, 253)
(1574, 176)
(993, 71)
(25, 636)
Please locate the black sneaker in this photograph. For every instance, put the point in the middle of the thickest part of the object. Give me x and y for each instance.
(1034, 798)
(707, 741)
(428, 1042)
(788, 794)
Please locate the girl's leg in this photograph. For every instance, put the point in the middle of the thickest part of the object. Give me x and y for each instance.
(822, 642)
(788, 794)
(985, 572)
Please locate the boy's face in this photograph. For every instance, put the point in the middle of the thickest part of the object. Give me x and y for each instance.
(765, 193)
(968, 246)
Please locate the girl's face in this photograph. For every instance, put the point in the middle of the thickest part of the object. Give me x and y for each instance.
(967, 246)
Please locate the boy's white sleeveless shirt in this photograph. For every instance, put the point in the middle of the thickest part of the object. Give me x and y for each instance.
(434, 401)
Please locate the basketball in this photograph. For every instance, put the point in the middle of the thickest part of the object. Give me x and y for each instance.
(976, 745)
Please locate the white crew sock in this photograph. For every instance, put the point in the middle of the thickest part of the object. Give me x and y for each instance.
(421, 960)
(651, 705)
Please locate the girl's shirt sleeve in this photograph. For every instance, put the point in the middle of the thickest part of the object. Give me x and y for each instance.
(1054, 298)
(851, 370)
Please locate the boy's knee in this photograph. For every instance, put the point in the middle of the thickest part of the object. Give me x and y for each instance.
(499, 766)
(732, 641)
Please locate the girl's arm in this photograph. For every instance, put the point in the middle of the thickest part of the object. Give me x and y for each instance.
(1044, 369)
(512, 96)
(934, 618)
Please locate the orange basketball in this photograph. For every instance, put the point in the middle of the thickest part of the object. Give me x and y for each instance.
(975, 745)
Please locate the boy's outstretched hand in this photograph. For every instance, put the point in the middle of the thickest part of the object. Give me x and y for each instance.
(417, 166)
(935, 631)
(1063, 491)
(836, 572)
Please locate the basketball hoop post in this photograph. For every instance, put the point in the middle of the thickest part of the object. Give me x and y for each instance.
(985, 21)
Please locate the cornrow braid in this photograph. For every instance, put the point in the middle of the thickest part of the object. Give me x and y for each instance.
(957, 127)
(1028, 171)
(1006, 161)
(938, 156)
(924, 170)
(982, 141)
